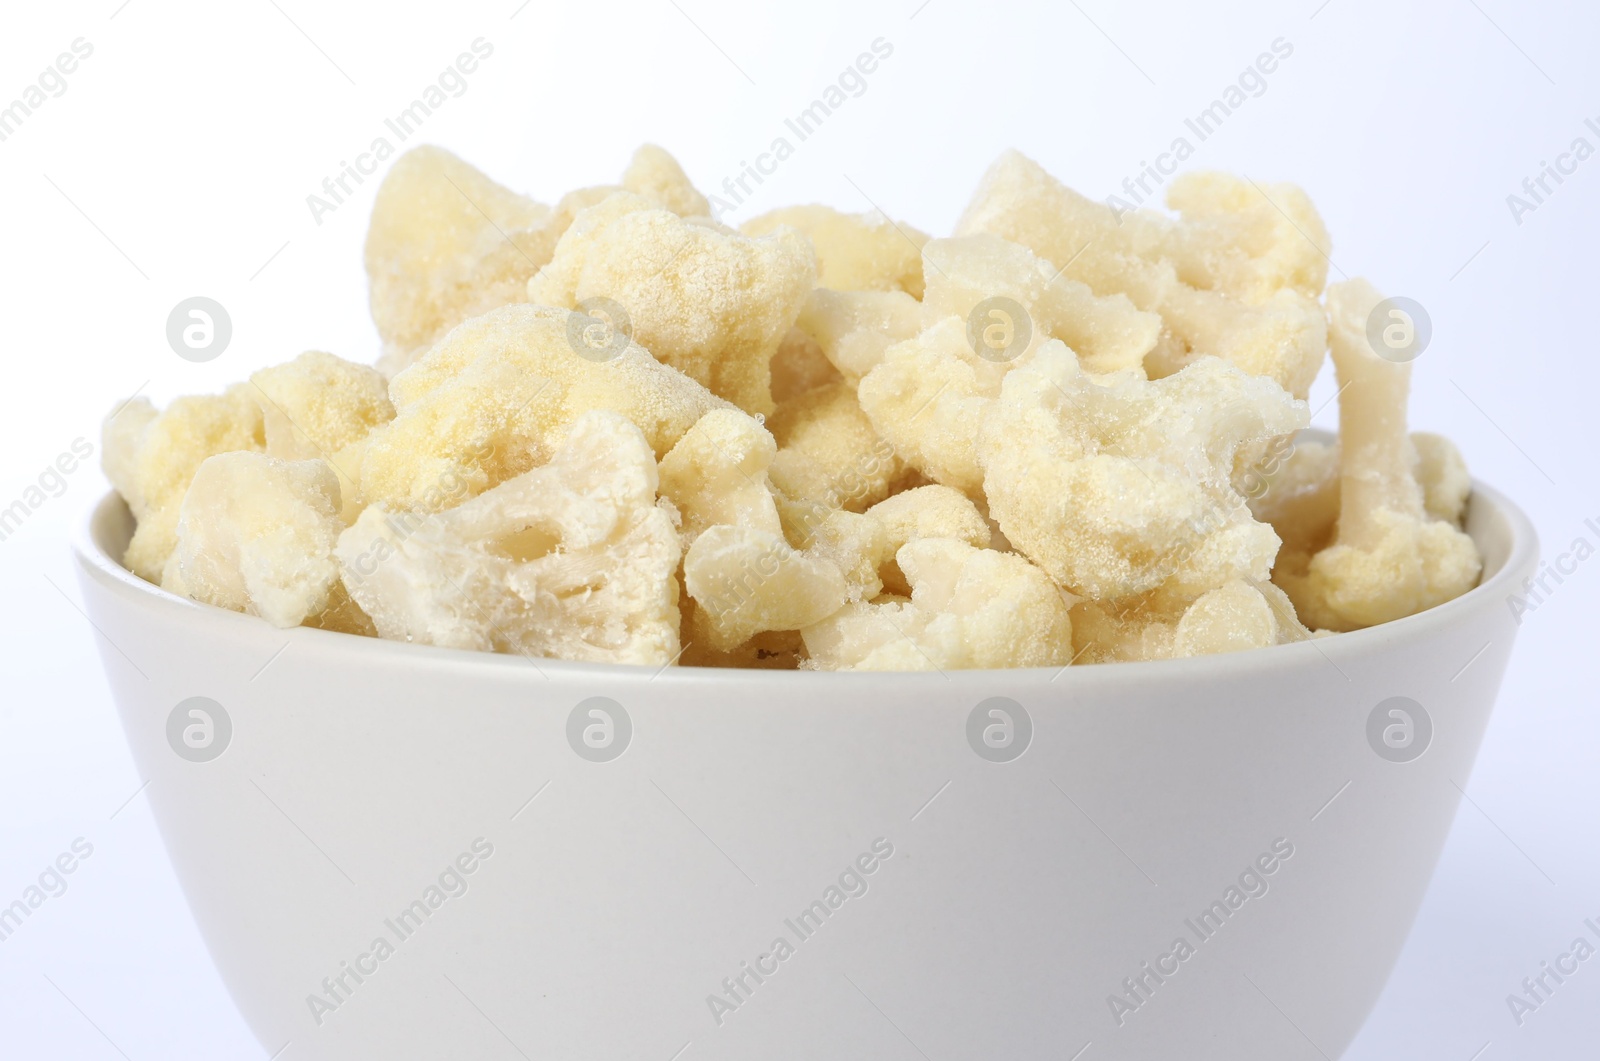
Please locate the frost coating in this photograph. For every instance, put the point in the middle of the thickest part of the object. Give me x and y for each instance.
(497, 395)
(256, 535)
(151, 458)
(446, 243)
(701, 298)
(571, 560)
(317, 404)
(828, 450)
(1117, 486)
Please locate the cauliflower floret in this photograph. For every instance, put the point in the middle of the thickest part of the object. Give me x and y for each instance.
(854, 328)
(446, 243)
(1236, 238)
(1300, 498)
(855, 252)
(497, 395)
(571, 560)
(1130, 630)
(928, 397)
(1240, 614)
(1116, 486)
(969, 608)
(745, 581)
(1282, 336)
(1236, 616)
(256, 534)
(828, 451)
(1389, 557)
(799, 367)
(654, 174)
(151, 458)
(701, 298)
(931, 511)
(317, 404)
(1443, 476)
(1107, 334)
(717, 474)
(739, 567)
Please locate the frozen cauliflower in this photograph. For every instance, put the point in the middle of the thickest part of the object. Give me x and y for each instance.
(969, 608)
(1278, 333)
(496, 396)
(827, 450)
(572, 559)
(1390, 556)
(855, 252)
(616, 430)
(256, 535)
(318, 404)
(739, 567)
(931, 511)
(703, 299)
(1107, 333)
(1117, 486)
(852, 329)
(151, 458)
(447, 243)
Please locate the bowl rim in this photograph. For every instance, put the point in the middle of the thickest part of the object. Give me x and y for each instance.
(108, 572)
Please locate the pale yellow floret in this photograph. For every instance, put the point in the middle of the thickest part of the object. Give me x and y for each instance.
(497, 395)
(1442, 473)
(1108, 334)
(829, 452)
(656, 175)
(969, 608)
(446, 243)
(928, 398)
(855, 252)
(1116, 486)
(717, 474)
(1390, 558)
(1237, 237)
(748, 570)
(151, 458)
(1236, 616)
(572, 560)
(745, 581)
(256, 535)
(1300, 497)
(931, 511)
(854, 328)
(317, 404)
(1281, 334)
(706, 300)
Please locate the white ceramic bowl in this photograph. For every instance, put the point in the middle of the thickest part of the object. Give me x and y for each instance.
(620, 895)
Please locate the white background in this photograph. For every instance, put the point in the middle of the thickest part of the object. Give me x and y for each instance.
(179, 159)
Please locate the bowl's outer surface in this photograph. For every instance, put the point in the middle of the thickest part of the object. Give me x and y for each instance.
(1018, 897)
